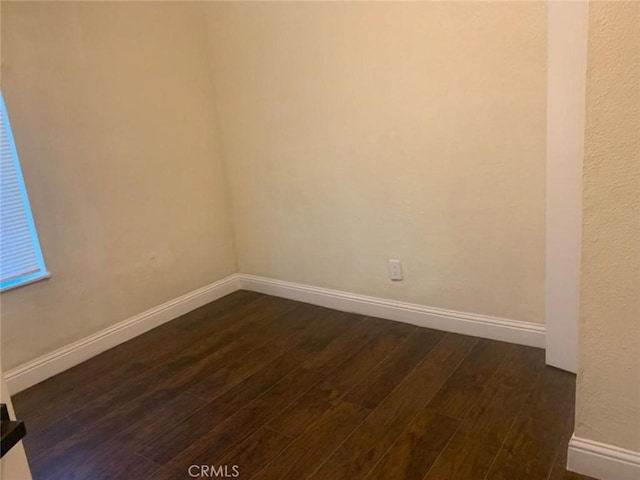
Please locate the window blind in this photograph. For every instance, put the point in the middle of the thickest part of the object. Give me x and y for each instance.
(21, 259)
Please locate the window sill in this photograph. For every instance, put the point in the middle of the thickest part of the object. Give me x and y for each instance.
(22, 282)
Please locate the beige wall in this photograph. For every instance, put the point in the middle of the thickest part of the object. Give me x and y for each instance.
(352, 133)
(113, 114)
(359, 132)
(608, 391)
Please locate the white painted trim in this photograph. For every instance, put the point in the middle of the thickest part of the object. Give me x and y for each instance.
(566, 91)
(601, 460)
(512, 331)
(44, 367)
(64, 358)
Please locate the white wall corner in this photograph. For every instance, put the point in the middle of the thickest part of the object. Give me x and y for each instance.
(602, 461)
(14, 463)
(566, 92)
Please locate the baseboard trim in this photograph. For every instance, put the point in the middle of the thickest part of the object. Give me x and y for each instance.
(35, 371)
(601, 460)
(512, 331)
(41, 368)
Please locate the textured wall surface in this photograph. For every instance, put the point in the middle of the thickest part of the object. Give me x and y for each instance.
(608, 390)
(358, 132)
(113, 115)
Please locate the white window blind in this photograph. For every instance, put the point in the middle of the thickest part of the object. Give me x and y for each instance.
(20, 255)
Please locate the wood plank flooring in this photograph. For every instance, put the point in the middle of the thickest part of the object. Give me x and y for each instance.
(275, 389)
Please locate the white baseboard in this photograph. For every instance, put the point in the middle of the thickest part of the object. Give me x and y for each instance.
(44, 367)
(601, 460)
(512, 331)
(41, 368)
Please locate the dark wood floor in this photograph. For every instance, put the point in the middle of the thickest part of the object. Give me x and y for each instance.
(286, 390)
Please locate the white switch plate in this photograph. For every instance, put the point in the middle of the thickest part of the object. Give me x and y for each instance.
(395, 270)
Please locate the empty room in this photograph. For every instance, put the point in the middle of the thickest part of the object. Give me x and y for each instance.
(299, 240)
